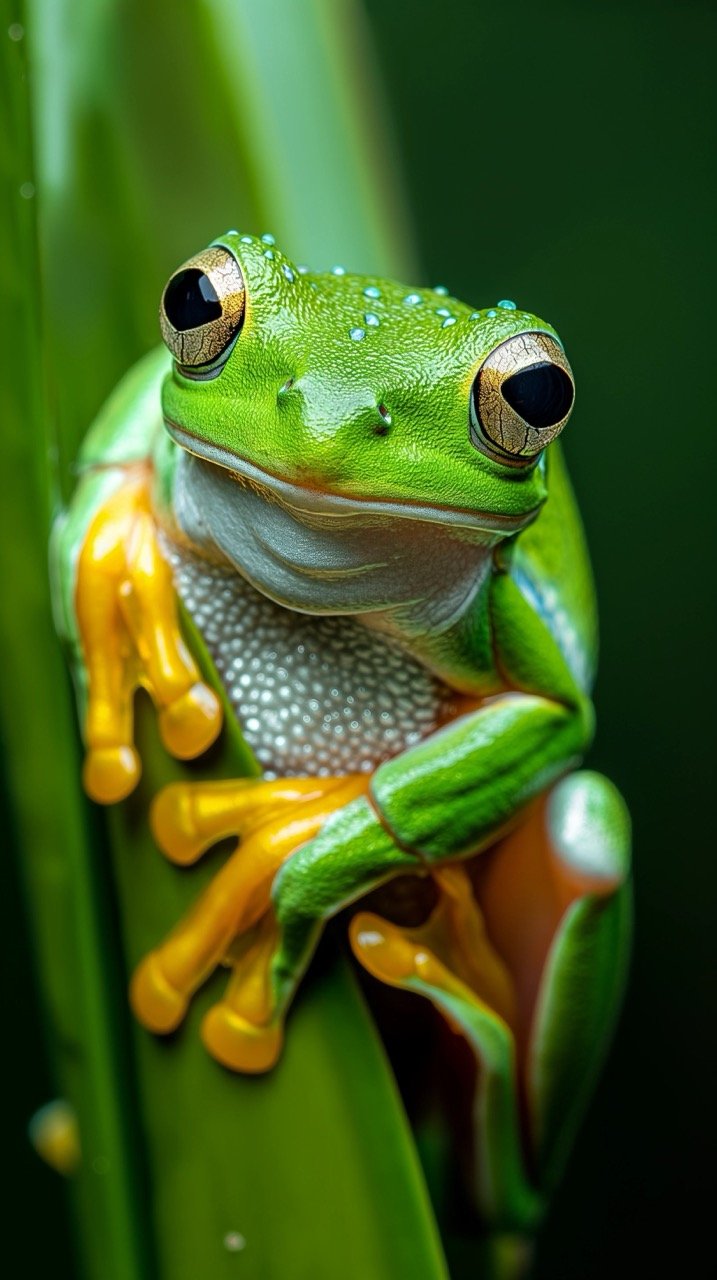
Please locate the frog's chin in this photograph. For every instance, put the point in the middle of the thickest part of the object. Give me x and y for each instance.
(321, 502)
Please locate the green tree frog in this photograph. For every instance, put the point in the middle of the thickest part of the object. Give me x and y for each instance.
(353, 487)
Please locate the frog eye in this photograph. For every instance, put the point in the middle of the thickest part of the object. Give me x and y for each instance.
(521, 397)
(202, 307)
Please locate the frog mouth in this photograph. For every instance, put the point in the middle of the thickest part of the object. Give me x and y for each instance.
(322, 503)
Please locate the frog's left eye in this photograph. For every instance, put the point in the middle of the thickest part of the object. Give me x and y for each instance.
(521, 398)
(202, 307)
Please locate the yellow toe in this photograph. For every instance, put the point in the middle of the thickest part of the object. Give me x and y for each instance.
(156, 1003)
(383, 948)
(109, 774)
(239, 1044)
(172, 823)
(190, 724)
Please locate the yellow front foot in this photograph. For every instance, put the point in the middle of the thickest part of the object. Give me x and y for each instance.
(449, 953)
(231, 922)
(127, 618)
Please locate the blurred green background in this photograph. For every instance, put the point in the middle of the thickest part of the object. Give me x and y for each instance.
(563, 155)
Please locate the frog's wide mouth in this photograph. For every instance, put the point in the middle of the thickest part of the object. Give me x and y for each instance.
(323, 502)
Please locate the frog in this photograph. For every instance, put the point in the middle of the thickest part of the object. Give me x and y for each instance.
(355, 491)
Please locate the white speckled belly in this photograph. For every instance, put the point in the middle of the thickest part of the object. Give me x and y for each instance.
(314, 695)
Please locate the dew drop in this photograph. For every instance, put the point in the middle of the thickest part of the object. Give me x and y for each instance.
(288, 273)
(441, 289)
(412, 299)
(268, 238)
(371, 319)
(507, 305)
(372, 291)
(357, 334)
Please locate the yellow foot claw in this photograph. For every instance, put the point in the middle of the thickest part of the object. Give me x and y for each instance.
(128, 623)
(156, 1003)
(240, 1044)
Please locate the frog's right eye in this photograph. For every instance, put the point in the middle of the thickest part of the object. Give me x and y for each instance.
(202, 307)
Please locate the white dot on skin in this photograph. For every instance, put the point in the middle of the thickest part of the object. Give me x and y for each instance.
(234, 1241)
(16, 31)
(27, 190)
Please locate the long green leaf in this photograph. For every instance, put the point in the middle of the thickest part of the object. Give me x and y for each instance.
(153, 131)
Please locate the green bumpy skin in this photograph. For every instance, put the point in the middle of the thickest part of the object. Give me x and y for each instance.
(345, 403)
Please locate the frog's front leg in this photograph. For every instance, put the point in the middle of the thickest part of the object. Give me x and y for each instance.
(130, 637)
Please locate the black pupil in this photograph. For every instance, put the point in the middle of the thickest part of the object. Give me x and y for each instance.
(542, 394)
(190, 300)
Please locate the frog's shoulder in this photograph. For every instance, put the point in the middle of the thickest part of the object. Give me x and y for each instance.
(551, 566)
(130, 420)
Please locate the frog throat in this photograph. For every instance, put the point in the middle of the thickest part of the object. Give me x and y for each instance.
(362, 560)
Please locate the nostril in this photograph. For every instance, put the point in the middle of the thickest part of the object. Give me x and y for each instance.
(542, 394)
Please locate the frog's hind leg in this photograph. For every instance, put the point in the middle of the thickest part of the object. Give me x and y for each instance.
(451, 961)
(192, 819)
(525, 956)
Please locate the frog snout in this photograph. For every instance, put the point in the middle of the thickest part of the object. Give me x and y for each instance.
(522, 397)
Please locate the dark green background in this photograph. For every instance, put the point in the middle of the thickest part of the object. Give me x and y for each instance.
(562, 154)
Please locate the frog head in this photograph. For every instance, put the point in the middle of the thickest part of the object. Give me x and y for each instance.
(354, 395)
